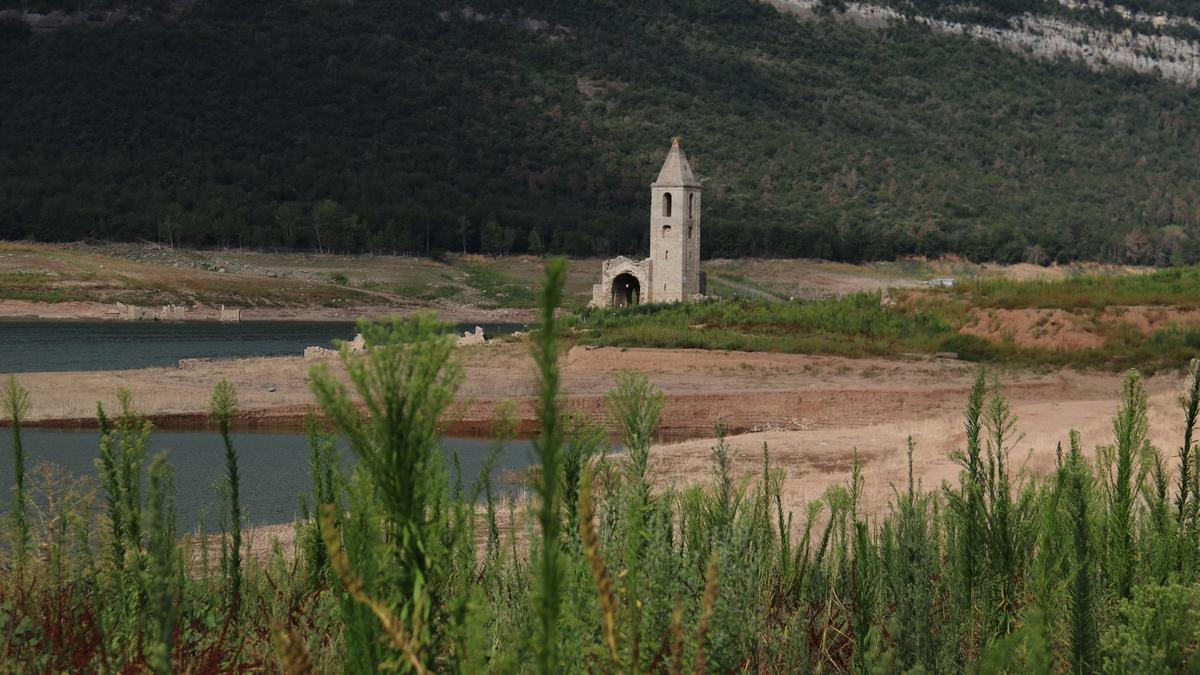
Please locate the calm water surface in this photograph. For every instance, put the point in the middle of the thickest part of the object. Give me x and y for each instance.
(274, 467)
(40, 346)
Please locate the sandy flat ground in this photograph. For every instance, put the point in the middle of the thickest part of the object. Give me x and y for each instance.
(815, 413)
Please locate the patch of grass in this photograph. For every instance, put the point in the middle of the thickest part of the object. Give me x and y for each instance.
(36, 286)
(1170, 287)
(429, 292)
(730, 282)
(498, 288)
(857, 326)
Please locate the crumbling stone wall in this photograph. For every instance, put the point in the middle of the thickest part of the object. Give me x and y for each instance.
(602, 293)
(164, 313)
(471, 337)
(356, 346)
(135, 313)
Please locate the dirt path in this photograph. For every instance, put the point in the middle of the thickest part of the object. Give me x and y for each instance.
(749, 291)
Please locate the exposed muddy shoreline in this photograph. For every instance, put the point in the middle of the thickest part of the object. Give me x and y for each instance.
(98, 311)
(817, 415)
(291, 419)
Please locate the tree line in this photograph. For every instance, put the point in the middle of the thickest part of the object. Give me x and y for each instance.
(529, 126)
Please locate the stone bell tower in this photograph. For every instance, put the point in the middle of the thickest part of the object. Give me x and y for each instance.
(675, 231)
(672, 272)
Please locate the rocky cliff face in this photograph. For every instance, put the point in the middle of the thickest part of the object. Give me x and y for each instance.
(1152, 44)
(1144, 47)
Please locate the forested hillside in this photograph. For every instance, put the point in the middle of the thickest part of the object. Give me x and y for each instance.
(502, 125)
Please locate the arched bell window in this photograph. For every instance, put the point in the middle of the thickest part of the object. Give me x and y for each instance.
(691, 206)
(667, 204)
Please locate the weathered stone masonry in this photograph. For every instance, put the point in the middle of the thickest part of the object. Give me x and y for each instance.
(672, 272)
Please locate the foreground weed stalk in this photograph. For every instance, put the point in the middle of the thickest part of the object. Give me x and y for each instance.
(708, 606)
(16, 406)
(635, 405)
(967, 507)
(549, 450)
(162, 580)
(400, 636)
(1130, 428)
(224, 406)
(398, 525)
(293, 657)
(604, 589)
(1081, 588)
(1190, 404)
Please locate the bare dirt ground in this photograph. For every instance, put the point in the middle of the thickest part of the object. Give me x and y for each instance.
(1040, 328)
(814, 413)
(1057, 329)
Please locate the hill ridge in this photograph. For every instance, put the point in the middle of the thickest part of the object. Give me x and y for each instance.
(528, 126)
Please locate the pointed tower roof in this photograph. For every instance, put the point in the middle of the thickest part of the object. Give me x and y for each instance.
(675, 170)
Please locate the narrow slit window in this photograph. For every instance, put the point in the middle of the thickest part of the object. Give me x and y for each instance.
(691, 206)
(666, 254)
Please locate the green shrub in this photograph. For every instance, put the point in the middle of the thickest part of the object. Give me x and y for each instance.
(1156, 630)
(15, 405)
(971, 348)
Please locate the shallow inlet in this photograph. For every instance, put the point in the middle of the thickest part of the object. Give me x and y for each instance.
(64, 346)
(274, 468)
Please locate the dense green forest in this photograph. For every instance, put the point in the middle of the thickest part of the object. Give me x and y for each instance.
(504, 126)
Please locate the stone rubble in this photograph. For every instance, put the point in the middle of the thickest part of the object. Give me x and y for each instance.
(318, 353)
(356, 346)
(472, 338)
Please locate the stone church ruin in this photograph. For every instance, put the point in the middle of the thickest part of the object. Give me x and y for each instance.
(672, 272)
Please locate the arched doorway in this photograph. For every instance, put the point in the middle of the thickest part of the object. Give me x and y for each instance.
(626, 290)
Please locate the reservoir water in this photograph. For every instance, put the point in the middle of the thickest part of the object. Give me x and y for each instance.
(274, 468)
(41, 346)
